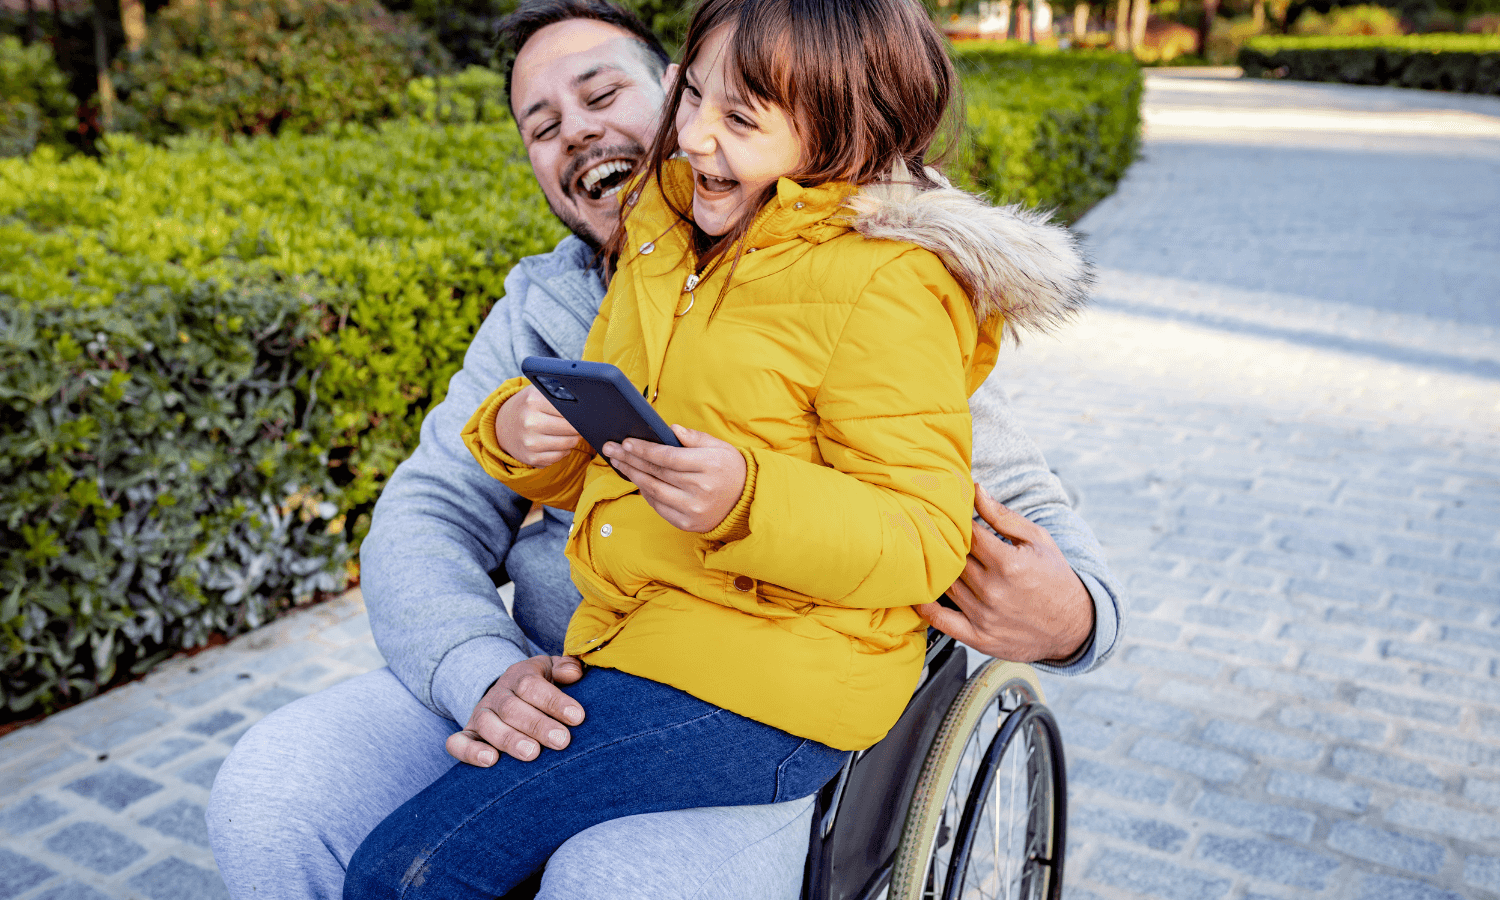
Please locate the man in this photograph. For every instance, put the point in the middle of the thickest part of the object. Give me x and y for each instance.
(303, 787)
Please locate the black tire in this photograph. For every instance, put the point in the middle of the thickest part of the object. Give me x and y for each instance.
(988, 819)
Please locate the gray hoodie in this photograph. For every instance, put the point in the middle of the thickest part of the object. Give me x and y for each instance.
(444, 533)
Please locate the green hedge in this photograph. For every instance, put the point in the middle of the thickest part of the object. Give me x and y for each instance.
(1449, 62)
(35, 106)
(258, 66)
(213, 354)
(1047, 128)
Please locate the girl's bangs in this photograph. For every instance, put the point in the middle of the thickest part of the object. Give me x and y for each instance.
(764, 58)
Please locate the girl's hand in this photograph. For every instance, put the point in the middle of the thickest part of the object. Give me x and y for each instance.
(530, 429)
(693, 486)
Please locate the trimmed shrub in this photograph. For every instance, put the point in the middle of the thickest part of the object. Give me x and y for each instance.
(1166, 41)
(1047, 128)
(35, 106)
(159, 478)
(1344, 21)
(258, 66)
(473, 95)
(469, 29)
(380, 252)
(1449, 62)
(216, 352)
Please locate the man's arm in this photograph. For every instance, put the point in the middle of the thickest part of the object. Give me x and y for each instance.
(1017, 600)
(442, 525)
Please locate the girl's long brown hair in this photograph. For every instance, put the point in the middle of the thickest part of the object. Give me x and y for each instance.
(867, 84)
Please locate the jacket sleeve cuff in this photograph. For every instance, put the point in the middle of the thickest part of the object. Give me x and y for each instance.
(479, 433)
(736, 525)
(467, 671)
(1101, 641)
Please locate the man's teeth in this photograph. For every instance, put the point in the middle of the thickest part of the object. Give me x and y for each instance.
(598, 173)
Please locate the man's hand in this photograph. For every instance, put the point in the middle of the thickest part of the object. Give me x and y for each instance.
(693, 486)
(529, 428)
(522, 712)
(1019, 601)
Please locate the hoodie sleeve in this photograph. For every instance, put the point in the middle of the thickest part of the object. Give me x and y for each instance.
(1011, 467)
(885, 522)
(442, 526)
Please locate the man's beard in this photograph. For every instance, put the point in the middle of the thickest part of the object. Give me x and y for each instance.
(573, 220)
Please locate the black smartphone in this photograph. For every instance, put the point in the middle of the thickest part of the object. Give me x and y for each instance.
(597, 399)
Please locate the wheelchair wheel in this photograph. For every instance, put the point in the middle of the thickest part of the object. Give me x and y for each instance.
(988, 818)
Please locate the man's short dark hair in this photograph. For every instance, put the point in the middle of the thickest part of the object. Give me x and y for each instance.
(534, 15)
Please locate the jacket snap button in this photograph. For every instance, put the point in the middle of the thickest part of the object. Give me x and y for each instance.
(647, 247)
(606, 530)
(743, 582)
(798, 205)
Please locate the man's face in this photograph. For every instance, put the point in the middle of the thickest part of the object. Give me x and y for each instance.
(587, 103)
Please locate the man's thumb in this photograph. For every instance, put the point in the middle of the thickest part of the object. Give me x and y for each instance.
(999, 516)
(566, 669)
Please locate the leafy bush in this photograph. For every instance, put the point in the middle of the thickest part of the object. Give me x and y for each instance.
(469, 29)
(215, 352)
(35, 106)
(1047, 128)
(1376, 21)
(1449, 62)
(1166, 41)
(1485, 24)
(391, 242)
(159, 478)
(473, 95)
(258, 66)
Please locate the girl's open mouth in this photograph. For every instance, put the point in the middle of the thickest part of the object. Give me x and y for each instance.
(712, 185)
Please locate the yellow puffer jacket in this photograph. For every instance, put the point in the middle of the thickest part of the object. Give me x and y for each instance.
(840, 363)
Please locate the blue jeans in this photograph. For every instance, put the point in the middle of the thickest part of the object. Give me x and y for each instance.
(645, 747)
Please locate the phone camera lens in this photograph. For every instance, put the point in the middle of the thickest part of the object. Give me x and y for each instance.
(555, 388)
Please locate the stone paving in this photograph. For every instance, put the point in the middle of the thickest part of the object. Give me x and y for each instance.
(1284, 419)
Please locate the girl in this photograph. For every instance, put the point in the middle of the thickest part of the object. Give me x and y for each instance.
(795, 287)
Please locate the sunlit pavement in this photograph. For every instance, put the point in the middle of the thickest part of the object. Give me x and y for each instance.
(1282, 415)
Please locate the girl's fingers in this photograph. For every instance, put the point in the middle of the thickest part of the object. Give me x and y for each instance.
(652, 487)
(660, 457)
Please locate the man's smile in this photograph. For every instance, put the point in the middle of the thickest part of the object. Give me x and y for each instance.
(606, 179)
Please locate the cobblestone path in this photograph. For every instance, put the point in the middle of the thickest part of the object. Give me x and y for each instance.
(1282, 417)
(1284, 420)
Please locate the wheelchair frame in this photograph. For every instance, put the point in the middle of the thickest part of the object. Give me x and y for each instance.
(894, 797)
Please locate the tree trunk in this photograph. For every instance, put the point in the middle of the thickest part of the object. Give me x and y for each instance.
(1080, 20)
(1138, 23)
(1206, 29)
(1023, 22)
(31, 27)
(59, 44)
(1122, 25)
(1258, 10)
(101, 65)
(133, 19)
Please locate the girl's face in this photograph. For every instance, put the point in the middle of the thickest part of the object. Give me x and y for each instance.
(736, 146)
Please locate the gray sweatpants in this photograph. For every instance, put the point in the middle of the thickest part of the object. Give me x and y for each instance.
(305, 785)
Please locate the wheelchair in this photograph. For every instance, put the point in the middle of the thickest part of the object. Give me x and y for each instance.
(966, 797)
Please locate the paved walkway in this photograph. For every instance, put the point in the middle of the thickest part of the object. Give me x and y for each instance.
(1283, 419)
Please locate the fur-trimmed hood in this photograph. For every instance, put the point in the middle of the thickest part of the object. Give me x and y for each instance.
(1009, 259)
